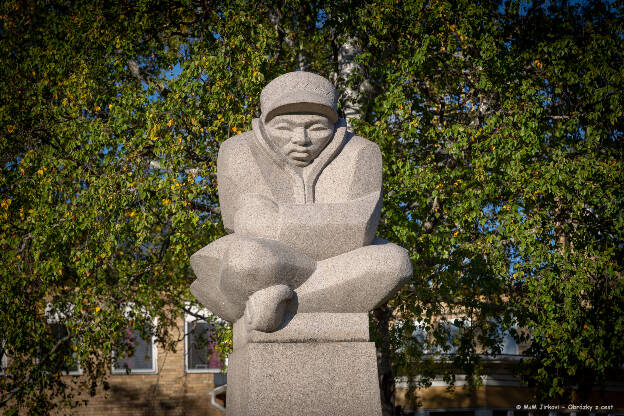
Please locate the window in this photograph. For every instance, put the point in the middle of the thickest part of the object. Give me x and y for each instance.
(139, 355)
(141, 350)
(3, 359)
(453, 329)
(420, 335)
(57, 315)
(508, 345)
(199, 353)
(70, 364)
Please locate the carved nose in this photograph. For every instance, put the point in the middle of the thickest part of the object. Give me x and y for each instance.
(299, 137)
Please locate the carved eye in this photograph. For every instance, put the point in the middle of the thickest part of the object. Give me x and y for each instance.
(318, 128)
(282, 126)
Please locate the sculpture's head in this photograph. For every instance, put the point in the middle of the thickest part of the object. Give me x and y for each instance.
(299, 115)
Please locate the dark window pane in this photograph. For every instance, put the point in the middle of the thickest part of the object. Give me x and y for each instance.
(3, 359)
(201, 346)
(70, 364)
(141, 357)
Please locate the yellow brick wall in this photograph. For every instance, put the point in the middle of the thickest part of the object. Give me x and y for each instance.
(170, 392)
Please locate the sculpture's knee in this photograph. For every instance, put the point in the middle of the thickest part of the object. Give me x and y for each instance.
(392, 260)
(393, 268)
(212, 298)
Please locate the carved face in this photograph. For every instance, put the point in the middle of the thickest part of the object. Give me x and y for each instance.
(300, 137)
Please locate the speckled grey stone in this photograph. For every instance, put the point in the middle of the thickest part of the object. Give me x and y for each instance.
(266, 308)
(299, 91)
(309, 327)
(301, 200)
(320, 379)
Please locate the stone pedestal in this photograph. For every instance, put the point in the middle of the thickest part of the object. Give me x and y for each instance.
(315, 364)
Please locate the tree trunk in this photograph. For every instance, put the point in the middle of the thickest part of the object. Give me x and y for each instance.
(351, 100)
(347, 67)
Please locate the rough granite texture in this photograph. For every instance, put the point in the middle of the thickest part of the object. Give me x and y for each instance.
(301, 199)
(310, 92)
(321, 379)
(309, 327)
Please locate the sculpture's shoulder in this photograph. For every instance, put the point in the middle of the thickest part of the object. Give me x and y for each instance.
(363, 151)
(235, 152)
(361, 142)
(233, 146)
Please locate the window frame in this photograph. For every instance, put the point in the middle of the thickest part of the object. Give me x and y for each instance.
(56, 318)
(122, 371)
(438, 351)
(4, 360)
(188, 318)
(506, 337)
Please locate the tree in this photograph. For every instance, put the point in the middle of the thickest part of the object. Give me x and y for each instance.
(500, 125)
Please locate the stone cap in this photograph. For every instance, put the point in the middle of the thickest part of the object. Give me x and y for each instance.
(299, 92)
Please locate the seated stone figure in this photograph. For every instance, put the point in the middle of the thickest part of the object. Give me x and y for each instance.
(301, 199)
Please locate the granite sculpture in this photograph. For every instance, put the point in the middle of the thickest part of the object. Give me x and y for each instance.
(300, 198)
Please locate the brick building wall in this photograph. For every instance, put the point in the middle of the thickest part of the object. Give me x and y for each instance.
(171, 391)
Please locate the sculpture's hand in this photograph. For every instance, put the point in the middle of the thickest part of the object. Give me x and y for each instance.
(257, 217)
(265, 308)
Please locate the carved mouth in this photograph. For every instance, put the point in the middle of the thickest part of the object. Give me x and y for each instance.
(300, 159)
(300, 153)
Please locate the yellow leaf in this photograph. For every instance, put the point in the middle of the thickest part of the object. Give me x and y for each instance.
(170, 123)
